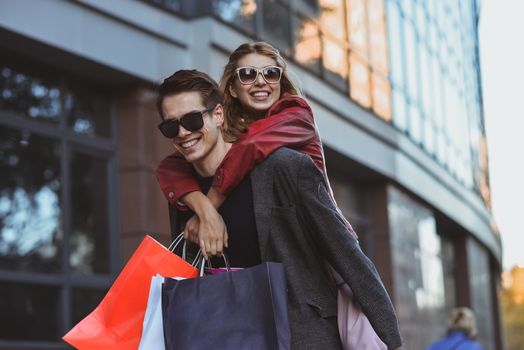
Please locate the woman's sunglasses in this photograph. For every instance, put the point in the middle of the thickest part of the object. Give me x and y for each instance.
(248, 75)
(191, 122)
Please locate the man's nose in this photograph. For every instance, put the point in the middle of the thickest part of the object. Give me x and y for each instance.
(183, 131)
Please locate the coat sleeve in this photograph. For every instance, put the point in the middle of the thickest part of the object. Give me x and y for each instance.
(327, 228)
(175, 178)
(289, 123)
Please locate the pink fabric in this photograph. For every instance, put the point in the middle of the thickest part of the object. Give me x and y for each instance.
(356, 332)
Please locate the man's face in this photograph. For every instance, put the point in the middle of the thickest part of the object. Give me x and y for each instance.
(197, 145)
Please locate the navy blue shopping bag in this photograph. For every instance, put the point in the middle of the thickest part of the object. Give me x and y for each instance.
(246, 309)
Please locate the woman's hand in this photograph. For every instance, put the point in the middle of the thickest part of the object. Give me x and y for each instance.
(206, 228)
(212, 233)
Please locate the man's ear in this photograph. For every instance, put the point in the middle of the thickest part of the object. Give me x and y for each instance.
(219, 115)
(232, 91)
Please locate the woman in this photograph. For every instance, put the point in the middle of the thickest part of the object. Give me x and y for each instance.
(263, 112)
(462, 329)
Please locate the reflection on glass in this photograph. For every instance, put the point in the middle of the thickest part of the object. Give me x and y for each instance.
(307, 43)
(429, 136)
(87, 114)
(33, 97)
(395, 41)
(381, 96)
(84, 301)
(29, 312)
(420, 259)
(481, 292)
(359, 80)
(377, 36)
(276, 24)
(332, 18)
(240, 13)
(400, 110)
(30, 214)
(335, 63)
(90, 223)
(356, 18)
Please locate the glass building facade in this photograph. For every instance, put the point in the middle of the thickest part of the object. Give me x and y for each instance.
(396, 92)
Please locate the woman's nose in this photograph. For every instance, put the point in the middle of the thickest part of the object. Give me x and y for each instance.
(260, 79)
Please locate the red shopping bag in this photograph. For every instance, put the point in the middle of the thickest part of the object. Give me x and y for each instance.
(116, 323)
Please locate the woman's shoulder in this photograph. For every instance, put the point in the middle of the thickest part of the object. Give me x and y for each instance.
(289, 102)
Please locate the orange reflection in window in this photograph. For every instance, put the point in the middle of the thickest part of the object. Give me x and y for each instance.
(307, 47)
(484, 177)
(381, 90)
(357, 26)
(377, 36)
(359, 80)
(249, 7)
(335, 59)
(332, 18)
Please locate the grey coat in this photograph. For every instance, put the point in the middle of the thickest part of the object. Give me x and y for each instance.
(299, 225)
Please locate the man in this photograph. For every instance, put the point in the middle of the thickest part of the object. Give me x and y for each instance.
(282, 212)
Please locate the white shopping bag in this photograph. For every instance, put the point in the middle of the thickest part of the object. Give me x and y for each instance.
(153, 329)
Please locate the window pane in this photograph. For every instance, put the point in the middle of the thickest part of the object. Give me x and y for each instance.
(377, 36)
(356, 14)
(240, 13)
(481, 290)
(419, 263)
(395, 44)
(87, 114)
(335, 63)
(332, 18)
(29, 312)
(359, 80)
(84, 301)
(33, 97)
(30, 214)
(307, 43)
(415, 123)
(90, 230)
(381, 96)
(400, 114)
(276, 25)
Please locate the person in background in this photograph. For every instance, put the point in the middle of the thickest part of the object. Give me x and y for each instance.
(283, 213)
(462, 329)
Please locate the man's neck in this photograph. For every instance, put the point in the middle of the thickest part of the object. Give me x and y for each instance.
(207, 167)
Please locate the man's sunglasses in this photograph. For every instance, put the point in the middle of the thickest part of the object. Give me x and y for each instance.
(191, 122)
(248, 75)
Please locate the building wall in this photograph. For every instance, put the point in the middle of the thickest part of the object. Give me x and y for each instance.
(85, 117)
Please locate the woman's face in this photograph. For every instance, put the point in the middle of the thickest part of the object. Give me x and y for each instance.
(256, 98)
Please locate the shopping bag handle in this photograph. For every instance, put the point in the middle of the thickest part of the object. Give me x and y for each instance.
(177, 241)
(203, 264)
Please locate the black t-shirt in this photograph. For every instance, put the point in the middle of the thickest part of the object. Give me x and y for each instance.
(238, 214)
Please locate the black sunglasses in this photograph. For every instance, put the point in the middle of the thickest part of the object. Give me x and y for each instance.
(191, 122)
(248, 75)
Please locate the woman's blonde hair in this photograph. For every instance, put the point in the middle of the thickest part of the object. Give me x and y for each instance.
(463, 319)
(235, 121)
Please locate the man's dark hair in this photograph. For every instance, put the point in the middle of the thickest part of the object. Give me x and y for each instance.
(186, 80)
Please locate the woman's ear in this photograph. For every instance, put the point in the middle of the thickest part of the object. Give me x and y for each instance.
(232, 91)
